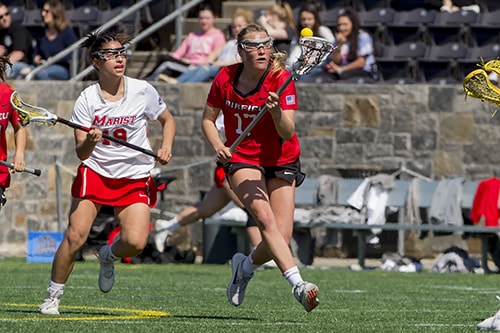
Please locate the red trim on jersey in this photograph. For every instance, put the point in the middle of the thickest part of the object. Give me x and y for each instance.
(263, 146)
(113, 192)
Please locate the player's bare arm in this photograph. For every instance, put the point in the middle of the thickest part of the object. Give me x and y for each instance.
(212, 134)
(20, 142)
(168, 124)
(86, 141)
(284, 120)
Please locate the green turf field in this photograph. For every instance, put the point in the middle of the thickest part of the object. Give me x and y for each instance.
(192, 298)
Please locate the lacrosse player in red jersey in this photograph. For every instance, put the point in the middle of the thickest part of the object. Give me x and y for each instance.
(111, 174)
(9, 115)
(264, 169)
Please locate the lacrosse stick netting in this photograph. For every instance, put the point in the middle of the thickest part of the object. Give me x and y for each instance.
(314, 51)
(477, 85)
(29, 113)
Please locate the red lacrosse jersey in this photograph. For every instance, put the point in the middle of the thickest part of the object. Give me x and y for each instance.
(7, 114)
(263, 146)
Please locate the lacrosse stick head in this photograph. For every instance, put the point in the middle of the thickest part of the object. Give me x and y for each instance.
(29, 113)
(478, 85)
(314, 51)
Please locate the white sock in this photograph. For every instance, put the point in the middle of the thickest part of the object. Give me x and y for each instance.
(57, 286)
(248, 265)
(174, 226)
(292, 275)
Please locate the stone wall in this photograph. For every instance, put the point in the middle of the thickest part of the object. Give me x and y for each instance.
(372, 127)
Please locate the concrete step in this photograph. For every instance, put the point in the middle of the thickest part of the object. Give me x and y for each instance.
(140, 63)
(191, 24)
(229, 7)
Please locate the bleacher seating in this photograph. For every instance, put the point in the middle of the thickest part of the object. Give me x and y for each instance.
(398, 64)
(412, 25)
(453, 27)
(441, 63)
(477, 55)
(394, 25)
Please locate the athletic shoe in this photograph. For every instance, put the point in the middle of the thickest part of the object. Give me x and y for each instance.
(107, 271)
(491, 323)
(50, 305)
(162, 233)
(239, 280)
(307, 294)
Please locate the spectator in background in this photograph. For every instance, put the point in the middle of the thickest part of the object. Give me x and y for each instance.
(353, 57)
(16, 42)
(223, 56)
(279, 23)
(450, 6)
(193, 51)
(309, 18)
(58, 36)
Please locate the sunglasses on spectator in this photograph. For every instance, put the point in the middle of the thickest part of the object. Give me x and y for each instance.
(108, 54)
(255, 44)
(4, 15)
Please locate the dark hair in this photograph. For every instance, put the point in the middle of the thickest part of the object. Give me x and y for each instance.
(95, 41)
(4, 65)
(313, 9)
(354, 36)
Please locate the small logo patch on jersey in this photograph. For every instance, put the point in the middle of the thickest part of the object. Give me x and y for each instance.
(290, 99)
(160, 101)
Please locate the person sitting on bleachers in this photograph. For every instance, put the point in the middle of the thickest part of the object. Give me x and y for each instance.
(309, 18)
(224, 56)
(58, 36)
(279, 23)
(450, 6)
(354, 56)
(16, 42)
(193, 51)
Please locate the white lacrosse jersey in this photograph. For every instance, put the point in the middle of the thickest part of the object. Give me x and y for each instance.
(127, 120)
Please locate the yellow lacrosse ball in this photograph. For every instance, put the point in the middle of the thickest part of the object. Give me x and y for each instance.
(306, 32)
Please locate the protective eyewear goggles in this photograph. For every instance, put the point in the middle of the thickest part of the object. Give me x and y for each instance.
(108, 54)
(255, 44)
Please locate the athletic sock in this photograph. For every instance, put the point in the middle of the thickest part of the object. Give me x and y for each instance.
(292, 275)
(174, 226)
(57, 286)
(248, 266)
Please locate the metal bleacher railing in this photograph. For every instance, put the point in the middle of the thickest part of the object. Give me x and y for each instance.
(74, 49)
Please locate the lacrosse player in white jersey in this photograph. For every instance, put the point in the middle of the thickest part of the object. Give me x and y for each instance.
(109, 173)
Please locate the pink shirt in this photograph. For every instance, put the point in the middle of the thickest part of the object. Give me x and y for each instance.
(198, 45)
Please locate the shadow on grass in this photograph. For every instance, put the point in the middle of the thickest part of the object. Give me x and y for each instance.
(216, 317)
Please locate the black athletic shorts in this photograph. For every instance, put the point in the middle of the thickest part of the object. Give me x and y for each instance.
(289, 172)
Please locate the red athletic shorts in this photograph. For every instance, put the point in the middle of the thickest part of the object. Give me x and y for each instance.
(113, 192)
(219, 175)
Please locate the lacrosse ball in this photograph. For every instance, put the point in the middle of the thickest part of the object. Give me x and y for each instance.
(306, 32)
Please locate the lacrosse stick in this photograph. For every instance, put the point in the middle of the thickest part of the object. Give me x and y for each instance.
(478, 85)
(29, 113)
(36, 172)
(314, 51)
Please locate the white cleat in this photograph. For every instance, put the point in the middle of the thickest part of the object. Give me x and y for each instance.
(307, 294)
(162, 233)
(50, 305)
(491, 323)
(239, 280)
